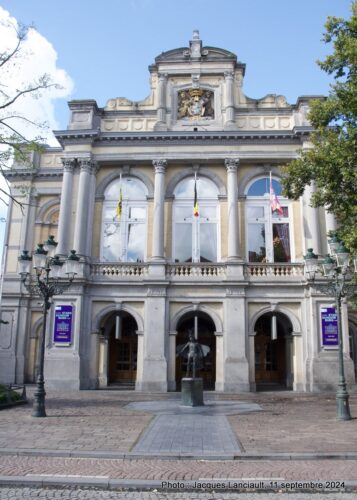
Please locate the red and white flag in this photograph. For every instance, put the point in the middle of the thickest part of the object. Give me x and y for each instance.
(274, 202)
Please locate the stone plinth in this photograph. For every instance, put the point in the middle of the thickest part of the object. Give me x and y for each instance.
(192, 392)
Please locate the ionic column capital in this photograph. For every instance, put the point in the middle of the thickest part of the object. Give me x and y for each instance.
(231, 164)
(159, 166)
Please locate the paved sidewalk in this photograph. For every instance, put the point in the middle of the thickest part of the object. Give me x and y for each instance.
(102, 438)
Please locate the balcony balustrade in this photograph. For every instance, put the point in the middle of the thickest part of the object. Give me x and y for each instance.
(193, 271)
(274, 270)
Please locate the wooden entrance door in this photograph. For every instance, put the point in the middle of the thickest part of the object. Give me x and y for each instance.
(270, 355)
(123, 353)
(269, 360)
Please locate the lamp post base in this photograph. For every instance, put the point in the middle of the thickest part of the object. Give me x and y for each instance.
(38, 409)
(343, 407)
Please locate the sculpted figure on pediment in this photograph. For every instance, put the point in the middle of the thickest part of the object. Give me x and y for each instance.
(195, 103)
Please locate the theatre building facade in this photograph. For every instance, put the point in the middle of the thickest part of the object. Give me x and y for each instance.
(120, 190)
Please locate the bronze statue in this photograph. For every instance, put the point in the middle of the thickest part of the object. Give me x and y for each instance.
(195, 354)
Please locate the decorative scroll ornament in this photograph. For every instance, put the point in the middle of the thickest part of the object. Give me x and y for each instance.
(195, 103)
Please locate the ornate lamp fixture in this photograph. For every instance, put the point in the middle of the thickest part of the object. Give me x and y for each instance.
(338, 271)
(46, 282)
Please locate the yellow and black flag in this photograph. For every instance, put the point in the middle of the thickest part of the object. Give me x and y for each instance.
(119, 208)
(196, 212)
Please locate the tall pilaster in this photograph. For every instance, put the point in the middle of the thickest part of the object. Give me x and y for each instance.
(311, 221)
(161, 102)
(65, 207)
(229, 95)
(159, 207)
(232, 205)
(85, 189)
(153, 373)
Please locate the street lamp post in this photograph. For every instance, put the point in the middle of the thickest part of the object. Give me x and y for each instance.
(338, 271)
(46, 282)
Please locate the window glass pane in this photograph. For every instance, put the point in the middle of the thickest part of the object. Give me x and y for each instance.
(183, 212)
(183, 242)
(136, 242)
(131, 188)
(137, 213)
(208, 242)
(207, 212)
(111, 243)
(110, 212)
(256, 243)
(205, 188)
(281, 243)
(275, 214)
(255, 212)
(262, 187)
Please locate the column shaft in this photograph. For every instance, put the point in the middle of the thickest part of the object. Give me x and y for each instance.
(159, 207)
(80, 239)
(232, 206)
(311, 222)
(161, 103)
(331, 223)
(65, 208)
(229, 99)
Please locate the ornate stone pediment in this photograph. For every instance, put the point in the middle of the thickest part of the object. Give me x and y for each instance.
(195, 104)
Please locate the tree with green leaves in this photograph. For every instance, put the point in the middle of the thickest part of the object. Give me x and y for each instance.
(331, 163)
(16, 129)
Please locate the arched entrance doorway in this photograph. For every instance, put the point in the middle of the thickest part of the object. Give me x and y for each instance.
(273, 355)
(206, 338)
(123, 350)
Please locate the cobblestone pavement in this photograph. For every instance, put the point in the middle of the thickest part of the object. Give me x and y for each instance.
(100, 421)
(82, 428)
(161, 470)
(90, 494)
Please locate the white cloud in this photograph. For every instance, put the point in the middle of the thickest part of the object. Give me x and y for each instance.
(37, 57)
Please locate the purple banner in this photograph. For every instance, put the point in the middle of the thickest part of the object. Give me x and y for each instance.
(62, 333)
(329, 327)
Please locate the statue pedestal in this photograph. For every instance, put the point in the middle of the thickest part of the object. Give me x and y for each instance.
(192, 392)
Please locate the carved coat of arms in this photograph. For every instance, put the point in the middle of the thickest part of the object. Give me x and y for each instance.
(195, 104)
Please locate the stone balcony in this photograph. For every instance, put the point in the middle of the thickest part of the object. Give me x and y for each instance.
(198, 272)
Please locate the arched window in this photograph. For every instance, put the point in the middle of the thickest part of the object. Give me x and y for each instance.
(195, 238)
(124, 235)
(268, 228)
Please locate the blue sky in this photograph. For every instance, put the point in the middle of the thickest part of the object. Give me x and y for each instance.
(102, 50)
(107, 46)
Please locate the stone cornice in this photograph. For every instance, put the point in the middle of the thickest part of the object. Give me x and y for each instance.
(178, 137)
(86, 136)
(30, 174)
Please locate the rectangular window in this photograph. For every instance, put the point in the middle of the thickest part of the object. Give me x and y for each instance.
(285, 214)
(255, 212)
(256, 243)
(112, 249)
(183, 242)
(208, 212)
(208, 242)
(136, 243)
(137, 213)
(281, 243)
